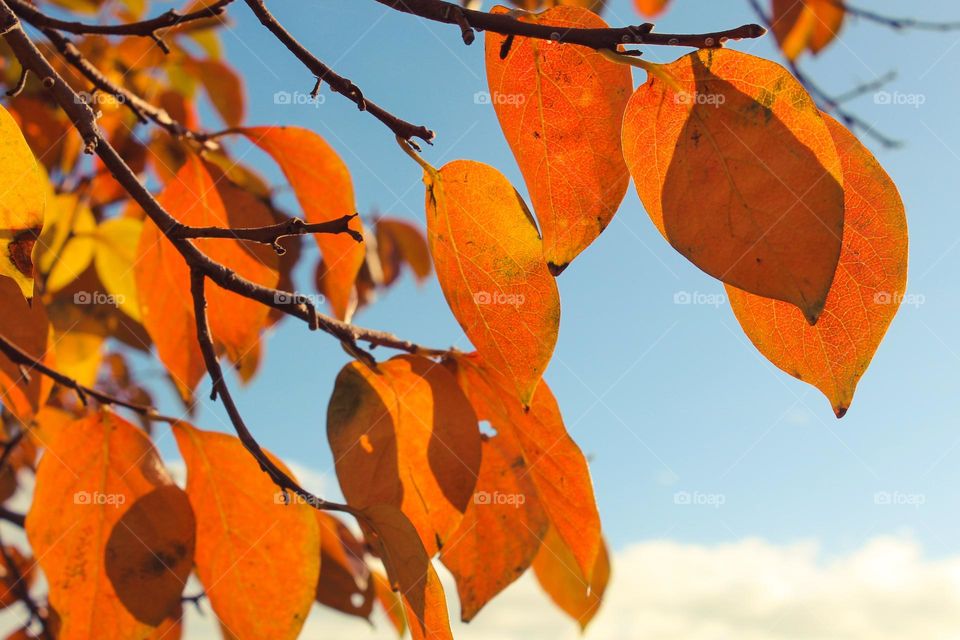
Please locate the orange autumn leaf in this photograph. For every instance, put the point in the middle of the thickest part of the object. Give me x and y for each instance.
(562, 580)
(345, 581)
(410, 572)
(405, 435)
(501, 530)
(224, 88)
(255, 554)
(400, 242)
(553, 460)
(199, 195)
(489, 261)
(799, 25)
(112, 533)
(24, 188)
(738, 171)
(560, 108)
(651, 8)
(322, 184)
(865, 296)
(25, 325)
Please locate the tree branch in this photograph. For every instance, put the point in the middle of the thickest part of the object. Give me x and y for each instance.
(143, 110)
(220, 388)
(897, 24)
(828, 102)
(505, 24)
(145, 28)
(272, 233)
(84, 393)
(337, 83)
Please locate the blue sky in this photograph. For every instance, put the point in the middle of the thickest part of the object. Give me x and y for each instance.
(663, 398)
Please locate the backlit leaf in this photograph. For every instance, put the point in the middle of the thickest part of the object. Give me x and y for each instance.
(26, 326)
(805, 24)
(256, 556)
(553, 460)
(561, 578)
(322, 184)
(112, 533)
(400, 242)
(410, 572)
(224, 88)
(560, 108)
(405, 435)
(24, 190)
(489, 261)
(116, 251)
(163, 278)
(737, 169)
(651, 8)
(501, 530)
(866, 292)
(66, 242)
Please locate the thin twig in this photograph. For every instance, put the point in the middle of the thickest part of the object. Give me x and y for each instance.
(84, 393)
(337, 83)
(221, 390)
(271, 234)
(610, 38)
(145, 28)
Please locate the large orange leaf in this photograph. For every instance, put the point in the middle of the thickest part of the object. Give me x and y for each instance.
(256, 556)
(558, 574)
(26, 326)
(199, 195)
(501, 530)
(553, 460)
(737, 169)
(489, 261)
(405, 435)
(24, 190)
(410, 572)
(322, 184)
(650, 8)
(866, 293)
(560, 108)
(112, 533)
(806, 24)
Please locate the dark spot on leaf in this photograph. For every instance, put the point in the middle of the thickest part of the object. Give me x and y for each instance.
(21, 250)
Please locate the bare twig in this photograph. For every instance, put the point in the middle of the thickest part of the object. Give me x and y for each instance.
(84, 393)
(221, 390)
(271, 234)
(145, 28)
(898, 24)
(143, 110)
(19, 586)
(828, 102)
(503, 23)
(337, 83)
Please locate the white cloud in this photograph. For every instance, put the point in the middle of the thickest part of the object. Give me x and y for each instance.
(665, 590)
(748, 590)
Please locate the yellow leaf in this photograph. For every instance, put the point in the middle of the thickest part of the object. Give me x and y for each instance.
(21, 210)
(116, 252)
